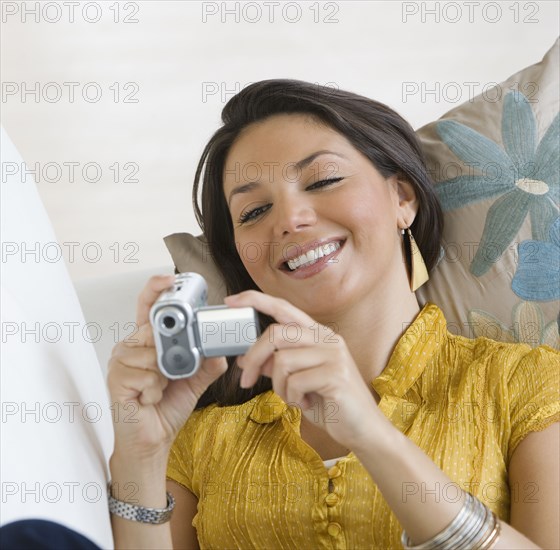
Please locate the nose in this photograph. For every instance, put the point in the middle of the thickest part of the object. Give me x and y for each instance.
(293, 213)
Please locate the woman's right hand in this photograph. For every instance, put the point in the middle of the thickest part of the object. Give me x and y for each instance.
(152, 408)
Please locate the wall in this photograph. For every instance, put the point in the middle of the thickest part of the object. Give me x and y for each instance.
(149, 80)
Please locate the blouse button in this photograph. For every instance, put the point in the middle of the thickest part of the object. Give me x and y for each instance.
(334, 472)
(334, 529)
(331, 499)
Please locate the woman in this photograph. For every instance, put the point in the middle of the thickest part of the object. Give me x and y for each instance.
(329, 186)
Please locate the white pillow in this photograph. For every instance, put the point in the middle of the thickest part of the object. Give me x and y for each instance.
(57, 433)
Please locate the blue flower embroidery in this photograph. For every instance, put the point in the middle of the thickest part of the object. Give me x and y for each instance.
(538, 273)
(525, 177)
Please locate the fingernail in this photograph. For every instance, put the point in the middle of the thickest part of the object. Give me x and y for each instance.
(243, 380)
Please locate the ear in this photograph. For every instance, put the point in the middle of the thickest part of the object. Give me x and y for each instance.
(405, 200)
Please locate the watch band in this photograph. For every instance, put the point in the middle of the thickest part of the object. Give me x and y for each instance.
(143, 514)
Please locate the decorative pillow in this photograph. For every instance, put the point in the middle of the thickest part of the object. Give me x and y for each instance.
(496, 167)
(495, 163)
(192, 253)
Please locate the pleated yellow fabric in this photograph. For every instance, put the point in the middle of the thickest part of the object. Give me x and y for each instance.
(466, 403)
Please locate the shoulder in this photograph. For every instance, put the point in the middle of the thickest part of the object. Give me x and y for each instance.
(523, 382)
(515, 387)
(506, 360)
(496, 369)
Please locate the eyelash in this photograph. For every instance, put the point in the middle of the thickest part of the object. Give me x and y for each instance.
(252, 214)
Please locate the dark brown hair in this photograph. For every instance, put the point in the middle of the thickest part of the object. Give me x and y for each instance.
(374, 129)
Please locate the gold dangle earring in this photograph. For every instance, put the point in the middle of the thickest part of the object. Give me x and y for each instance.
(417, 272)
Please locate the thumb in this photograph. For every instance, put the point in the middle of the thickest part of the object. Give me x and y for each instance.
(183, 394)
(210, 370)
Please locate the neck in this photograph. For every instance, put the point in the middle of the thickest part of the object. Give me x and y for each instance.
(371, 338)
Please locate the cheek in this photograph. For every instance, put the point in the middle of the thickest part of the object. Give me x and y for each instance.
(254, 254)
(368, 210)
(372, 221)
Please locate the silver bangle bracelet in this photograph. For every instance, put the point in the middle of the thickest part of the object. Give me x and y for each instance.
(142, 514)
(459, 524)
(475, 526)
(449, 532)
(464, 540)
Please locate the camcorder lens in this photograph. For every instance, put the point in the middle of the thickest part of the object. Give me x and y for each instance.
(170, 321)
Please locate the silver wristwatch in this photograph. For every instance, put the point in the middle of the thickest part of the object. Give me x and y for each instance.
(142, 514)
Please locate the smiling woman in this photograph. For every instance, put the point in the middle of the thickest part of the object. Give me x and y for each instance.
(357, 420)
(330, 143)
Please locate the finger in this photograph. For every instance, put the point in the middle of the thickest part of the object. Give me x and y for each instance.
(137, 357)
(129, 383)
(268, 366)
(283, 362)
(302, 384)
(151, 395)
(278, 308)
(154, 287)
(142, 337)
(274, 338)
(210, 369)
(143, 340)
(280, 372)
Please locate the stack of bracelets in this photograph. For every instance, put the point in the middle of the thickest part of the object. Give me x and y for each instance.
(475, 528)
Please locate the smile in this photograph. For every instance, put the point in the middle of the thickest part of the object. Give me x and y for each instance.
(311, 257)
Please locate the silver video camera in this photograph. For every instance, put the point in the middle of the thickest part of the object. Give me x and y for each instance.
(186, 330)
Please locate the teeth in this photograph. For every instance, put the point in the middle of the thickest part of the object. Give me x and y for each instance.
(313, 255)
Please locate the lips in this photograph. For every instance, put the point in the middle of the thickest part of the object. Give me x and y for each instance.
(309, 254)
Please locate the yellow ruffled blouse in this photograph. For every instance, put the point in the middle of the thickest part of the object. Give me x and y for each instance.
(467, 403)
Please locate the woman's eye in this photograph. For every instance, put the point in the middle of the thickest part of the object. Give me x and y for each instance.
(323, 183)
(253, 214)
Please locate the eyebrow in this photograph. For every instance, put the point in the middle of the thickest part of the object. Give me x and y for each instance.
(300, 165)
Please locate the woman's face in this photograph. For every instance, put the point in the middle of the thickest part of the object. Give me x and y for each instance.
(314, 221)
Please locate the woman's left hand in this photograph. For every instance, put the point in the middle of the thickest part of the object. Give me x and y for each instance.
(311, 367)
